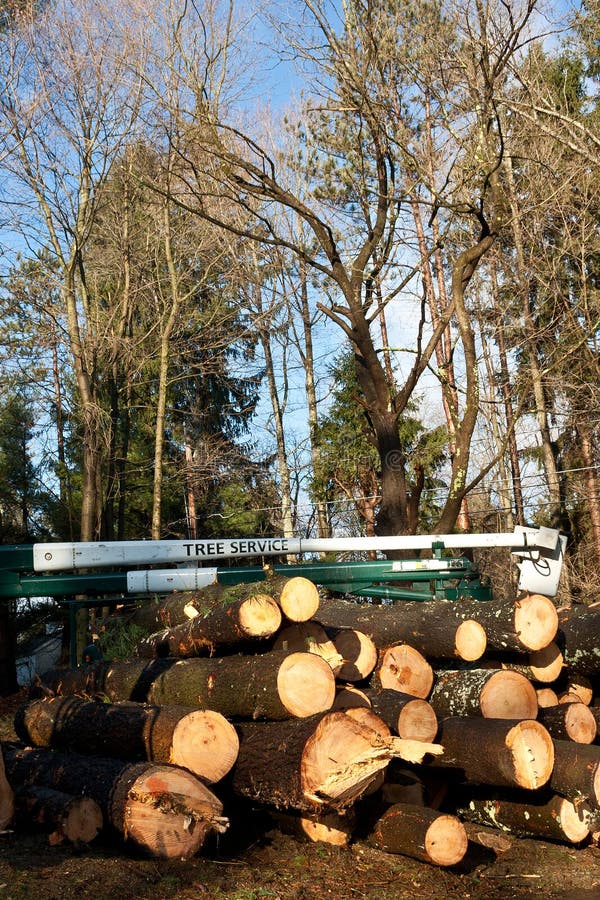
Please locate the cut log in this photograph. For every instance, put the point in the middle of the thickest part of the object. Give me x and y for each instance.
(7, 798)
(497, 752)
(202, 741)
(358, 652)
(75, 819)
(233, 623)
(435, 628)
(578, 631)
(402, 668)
(576, 776)
(421, 833)
(325, 762)
(493, 694)
(163, 810)
(570, 721)
(297, 596)
(546, 697)
(267, 686)
(309, 637)
(529, 623)
(407, 716)
(551, 817)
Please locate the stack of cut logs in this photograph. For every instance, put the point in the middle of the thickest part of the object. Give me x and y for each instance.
(396, 725)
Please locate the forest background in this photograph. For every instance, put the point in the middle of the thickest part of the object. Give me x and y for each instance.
(304, 268)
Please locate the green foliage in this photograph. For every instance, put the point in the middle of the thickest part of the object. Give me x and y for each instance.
(120, 639)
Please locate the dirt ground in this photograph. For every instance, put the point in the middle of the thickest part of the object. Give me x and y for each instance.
(256, 861)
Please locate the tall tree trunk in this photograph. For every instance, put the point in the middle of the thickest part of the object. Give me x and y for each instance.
(537, 379)
(591, 482)
(308, 362)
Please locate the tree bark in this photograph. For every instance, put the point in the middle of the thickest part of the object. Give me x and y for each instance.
(202, 741)
(578, 630)
(163, 810)
(309, 637)
(576, 776)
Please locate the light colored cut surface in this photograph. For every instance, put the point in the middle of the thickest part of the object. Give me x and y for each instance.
(470, 640)
(535, 621)
(417, 721)
(532, 753)
(405, 669)
(259, 616)
(446, 841)
(169, 812)
(573, 824)
(370, 719)
(306, 684)
(508, 695)
(309, 637)
(341, 759)
(546, 697)
(299, 599)
(83, 821)
(329, 829)
(206, 743)
(580, 723)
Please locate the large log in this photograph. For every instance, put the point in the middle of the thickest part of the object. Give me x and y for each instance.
(403, 668)
(164, 810)
(267, 686)
(497, 752)
(579, 638)
(433, 628)
(326, 761)
(407, 716)
(493, 694)
(570, 722)
(202, 741)
(529, 623)
(544, 815)
(421, 833)
(65, 817)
